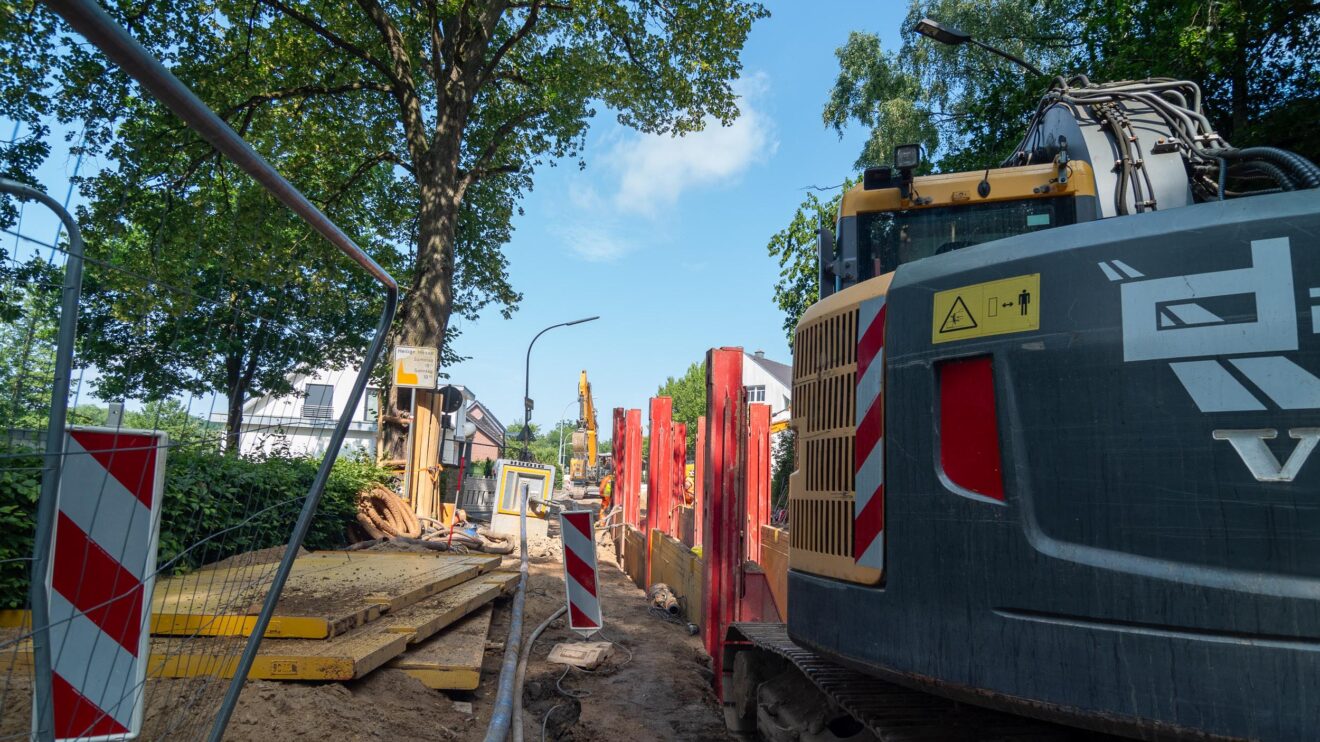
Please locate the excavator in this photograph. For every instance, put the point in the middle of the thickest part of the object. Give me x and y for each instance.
(1056, 426)
(584, 466)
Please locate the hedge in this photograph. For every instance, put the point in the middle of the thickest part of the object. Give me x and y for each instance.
(215, 506)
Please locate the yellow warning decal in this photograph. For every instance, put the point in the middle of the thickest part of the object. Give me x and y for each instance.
(990, 308)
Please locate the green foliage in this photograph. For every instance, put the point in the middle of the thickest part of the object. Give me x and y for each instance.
(427, 117)
(794, 246)
(29, 324)
(215, 506)
(544, 447)
(689, 395)
(20, 488)
(486, 468)
(169, 415)
(784, 461)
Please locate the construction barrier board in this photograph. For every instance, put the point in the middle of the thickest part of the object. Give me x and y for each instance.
(510, 477)
(100, 581)
(580, 583)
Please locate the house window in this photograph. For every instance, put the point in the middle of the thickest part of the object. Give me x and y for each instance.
(756, 393)
(371, 405)
(320, 402)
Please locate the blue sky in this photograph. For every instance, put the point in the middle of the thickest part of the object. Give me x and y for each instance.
(664, 238)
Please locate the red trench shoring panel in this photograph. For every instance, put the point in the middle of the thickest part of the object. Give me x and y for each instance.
(618, 450)
(659, 479)
(758, 477)
(723, 513)
(679, 471)
(699, 484)
(633, 472)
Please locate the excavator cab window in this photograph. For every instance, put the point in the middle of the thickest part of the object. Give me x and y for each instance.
(888, 239)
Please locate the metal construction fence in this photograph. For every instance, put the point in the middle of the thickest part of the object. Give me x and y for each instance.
(145, 536)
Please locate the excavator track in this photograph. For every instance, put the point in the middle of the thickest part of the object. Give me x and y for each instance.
(894, 713)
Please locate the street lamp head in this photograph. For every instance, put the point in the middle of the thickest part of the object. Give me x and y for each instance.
(580, 321)
(941, 33)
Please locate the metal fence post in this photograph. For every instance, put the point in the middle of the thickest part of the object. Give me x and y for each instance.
(50, 479)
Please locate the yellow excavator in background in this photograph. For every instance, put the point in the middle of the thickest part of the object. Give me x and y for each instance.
(584, 467)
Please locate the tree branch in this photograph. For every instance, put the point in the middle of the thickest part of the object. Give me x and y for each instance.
(303, 91)
(330, 36)
(533, 12)
(360, 171)
(481, 165)
(405, 90)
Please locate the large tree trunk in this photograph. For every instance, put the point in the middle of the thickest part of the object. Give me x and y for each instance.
(237, 393)
(424, 314)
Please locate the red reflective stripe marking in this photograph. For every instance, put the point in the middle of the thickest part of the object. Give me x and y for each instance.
(872, 342)
(580, 521)
(580, 571)
(869, 523)
(869, 432)
(580, 620)
(130, 459)
(969, 430)
(76, 716)
(97, 585)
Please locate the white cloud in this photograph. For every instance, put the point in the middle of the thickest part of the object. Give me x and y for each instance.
(594, 244)
(653, 171)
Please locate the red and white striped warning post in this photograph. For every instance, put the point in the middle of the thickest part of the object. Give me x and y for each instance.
(102, 570)
(869, 505)
(580, 571)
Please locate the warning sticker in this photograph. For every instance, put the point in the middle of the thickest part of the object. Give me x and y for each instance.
(991, 308)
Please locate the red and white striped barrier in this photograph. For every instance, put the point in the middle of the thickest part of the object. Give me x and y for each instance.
(580, 571)
(102, 571)
(869, 504)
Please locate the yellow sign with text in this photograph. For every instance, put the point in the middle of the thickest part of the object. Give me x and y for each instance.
(991, 308)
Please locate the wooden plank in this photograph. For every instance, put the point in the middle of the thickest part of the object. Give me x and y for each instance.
(451, 660)
(426, 619)
(328, 593)
(345, 657)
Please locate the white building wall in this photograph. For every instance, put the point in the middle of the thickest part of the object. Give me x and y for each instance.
(272, 423)
(777, 394)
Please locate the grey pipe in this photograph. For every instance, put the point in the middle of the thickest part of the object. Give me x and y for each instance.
(521, 675)
(501, 717)
(44, 713)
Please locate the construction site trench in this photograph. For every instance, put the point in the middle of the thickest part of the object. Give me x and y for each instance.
(655, 683)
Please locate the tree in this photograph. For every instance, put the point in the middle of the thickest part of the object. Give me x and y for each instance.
(689, 395)
(794, 246)
(28, 333)
(458, 100)
(212, 286)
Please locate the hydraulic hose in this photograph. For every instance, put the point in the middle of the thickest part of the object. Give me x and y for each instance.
(521, 674)
(1301, 168)
(501, 716)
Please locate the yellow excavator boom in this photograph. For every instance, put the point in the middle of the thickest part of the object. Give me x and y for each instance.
(587, 414)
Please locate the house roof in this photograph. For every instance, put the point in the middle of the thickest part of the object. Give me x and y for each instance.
(782, 372)
(491, 424)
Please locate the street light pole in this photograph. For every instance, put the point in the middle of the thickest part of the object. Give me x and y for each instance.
(527, 385)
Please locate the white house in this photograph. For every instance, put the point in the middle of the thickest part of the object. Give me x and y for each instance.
(304, 420)
(769, 382)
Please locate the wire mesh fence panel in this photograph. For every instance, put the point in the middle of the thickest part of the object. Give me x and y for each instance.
(220, 363)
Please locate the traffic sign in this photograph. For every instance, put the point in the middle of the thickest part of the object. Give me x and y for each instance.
(415, 366)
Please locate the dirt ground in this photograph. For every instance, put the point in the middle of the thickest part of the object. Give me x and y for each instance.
(654, 686)
(661, 692)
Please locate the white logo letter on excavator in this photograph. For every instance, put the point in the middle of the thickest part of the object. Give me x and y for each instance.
(1250, 446)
